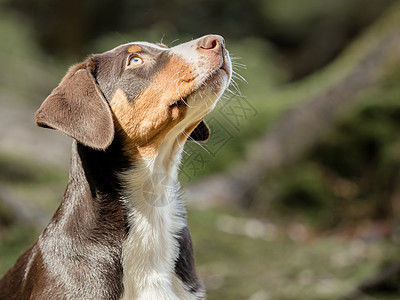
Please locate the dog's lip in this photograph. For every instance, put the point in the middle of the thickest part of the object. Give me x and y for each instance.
(223, 69)
(223, 66)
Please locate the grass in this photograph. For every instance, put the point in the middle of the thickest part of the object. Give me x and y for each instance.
(236, 266)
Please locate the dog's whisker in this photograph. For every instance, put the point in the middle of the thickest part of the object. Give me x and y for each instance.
(236, 87)
(171, 43)
(162, 39)
(234, 92)
(197, 143)
(183, 100)
(182, 147)
(236, 75)
(236, 64)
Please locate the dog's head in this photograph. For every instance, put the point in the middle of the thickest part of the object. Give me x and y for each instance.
(141, 90)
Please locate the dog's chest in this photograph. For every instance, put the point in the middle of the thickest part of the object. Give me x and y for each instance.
(156, 217)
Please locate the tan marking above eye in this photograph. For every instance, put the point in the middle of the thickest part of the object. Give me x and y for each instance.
(135, 49)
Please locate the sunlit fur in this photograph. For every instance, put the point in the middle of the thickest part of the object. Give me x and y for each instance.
(152, 197)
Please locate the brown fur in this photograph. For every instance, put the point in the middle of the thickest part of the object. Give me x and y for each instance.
(78, 109)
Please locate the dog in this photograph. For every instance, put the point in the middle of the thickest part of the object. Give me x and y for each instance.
(120, 231)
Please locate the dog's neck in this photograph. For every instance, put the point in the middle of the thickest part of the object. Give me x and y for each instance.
(138, 203)
(86, 232)
(156, 217)
(92, 189)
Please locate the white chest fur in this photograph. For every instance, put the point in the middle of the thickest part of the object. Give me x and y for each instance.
(155, 216)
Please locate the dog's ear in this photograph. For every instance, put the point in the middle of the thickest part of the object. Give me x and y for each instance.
(78, 108)
(201, 133)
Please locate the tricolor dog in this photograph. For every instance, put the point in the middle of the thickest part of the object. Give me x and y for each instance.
(120, 231)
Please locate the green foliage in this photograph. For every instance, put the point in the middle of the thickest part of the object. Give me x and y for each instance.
(352, 173)
(302, 191)
(298, 20)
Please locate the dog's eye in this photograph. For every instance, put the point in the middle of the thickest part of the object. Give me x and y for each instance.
(135, 61)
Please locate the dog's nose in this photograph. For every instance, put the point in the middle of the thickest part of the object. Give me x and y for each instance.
(212, 42)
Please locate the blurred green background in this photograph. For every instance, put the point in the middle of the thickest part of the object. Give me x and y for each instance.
(296, 195)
